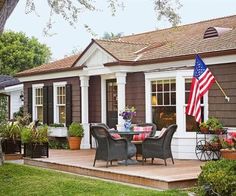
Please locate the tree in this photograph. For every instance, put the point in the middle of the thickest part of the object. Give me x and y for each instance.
(70, 10)
(111, 35)
(19, 52)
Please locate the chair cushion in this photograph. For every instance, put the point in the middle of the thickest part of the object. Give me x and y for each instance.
(140, 137)
(115, 135)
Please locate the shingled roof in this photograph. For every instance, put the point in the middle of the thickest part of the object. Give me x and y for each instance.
(6, 81)
(170, 44)
(55, 66)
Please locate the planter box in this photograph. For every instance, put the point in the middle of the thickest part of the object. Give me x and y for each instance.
(11, 146)
(57, 131)
(228, 154)
(36, 150)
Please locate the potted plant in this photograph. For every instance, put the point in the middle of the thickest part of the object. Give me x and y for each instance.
(10, 132)
(57, 130)
(214, 125)
(228, 150)
(204, 128)
(215, 143)
(35, 141)
(75, 134)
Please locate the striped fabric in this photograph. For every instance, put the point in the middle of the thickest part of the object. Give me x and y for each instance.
(140, 137)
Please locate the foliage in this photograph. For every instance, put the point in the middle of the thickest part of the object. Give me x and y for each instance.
(128, 113)
(24, 120)
(230, 142)
(213, 123)
(32, 134)
(76, 130)
(26, 180)
(3, 106)
(19, 52)
(55, 144)
(56, 125)
(111, 35)
(70, 10)
(218, 178)
(19, 113)
(10, 130)
(203, 125)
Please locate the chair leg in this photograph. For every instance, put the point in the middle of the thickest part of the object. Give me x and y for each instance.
(111, 162)
(152, 160)
(172, 160)
(143, 160)
(107, 164)
(94, 162)
(165, 162)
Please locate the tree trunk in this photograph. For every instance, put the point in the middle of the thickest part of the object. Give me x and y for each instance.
(1, 154)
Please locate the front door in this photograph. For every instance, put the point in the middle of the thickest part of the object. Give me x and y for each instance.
(111, 99)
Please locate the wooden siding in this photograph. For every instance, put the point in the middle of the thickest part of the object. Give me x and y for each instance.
(218, 106)
(135, 94)
(74, 81)
(95, 99)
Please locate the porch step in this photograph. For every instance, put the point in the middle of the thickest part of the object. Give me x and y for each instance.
(175, 183)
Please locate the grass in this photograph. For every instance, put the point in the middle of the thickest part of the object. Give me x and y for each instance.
(25, 180)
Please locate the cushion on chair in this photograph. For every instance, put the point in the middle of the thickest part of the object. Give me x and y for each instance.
(140, 137)
(115, 135)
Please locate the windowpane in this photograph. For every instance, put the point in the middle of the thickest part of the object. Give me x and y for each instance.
(159, 86)
(173, 99)
(62, 114)
(166, 85)
(173, 86)
(166, 99)
(163, 116)
(154, 87)
(39, 110)
(159, 98)
(154, 99)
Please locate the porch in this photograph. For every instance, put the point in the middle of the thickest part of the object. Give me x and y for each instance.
(182, 174)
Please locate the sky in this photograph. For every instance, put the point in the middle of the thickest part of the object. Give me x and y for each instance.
(137, 16)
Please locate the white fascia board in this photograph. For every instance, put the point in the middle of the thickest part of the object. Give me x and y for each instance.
(90, 52)
(17, 87)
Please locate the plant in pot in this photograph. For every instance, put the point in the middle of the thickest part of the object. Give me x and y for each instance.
(75, 134)
(214, 125)
(204, 128)
(228, 150)
(11, 132)
(35, 141)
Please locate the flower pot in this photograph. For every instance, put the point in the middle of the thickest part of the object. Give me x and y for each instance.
(74, 143)
(204, 130)
(11, 146)
(228, 154)
(36, 150)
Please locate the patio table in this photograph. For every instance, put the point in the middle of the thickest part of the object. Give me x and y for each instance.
(131, 147)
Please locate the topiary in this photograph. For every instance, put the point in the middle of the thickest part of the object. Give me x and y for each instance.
(218, 178)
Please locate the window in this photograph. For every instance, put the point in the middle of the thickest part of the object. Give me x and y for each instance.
(163, 101)
(191, 124)
(38, 106)
(60, 103)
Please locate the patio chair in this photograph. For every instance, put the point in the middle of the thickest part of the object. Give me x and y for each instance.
(107, 147)
(138, 144)
(159, 147)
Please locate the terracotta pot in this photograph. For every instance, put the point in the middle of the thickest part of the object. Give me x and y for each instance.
(228, 154)
(204, 130)
(74, 143)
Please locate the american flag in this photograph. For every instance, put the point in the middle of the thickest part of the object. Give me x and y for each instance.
(201, 82)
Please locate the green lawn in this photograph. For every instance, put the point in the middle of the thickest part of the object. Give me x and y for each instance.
(24, 180)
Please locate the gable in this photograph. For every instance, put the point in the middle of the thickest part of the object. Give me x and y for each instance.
(95, 56)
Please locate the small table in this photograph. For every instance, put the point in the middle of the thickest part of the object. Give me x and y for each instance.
(131, 147)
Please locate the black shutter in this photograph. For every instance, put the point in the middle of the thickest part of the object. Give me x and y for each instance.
(68, 104)
(30, 102)
(45, 105)
(50, 105)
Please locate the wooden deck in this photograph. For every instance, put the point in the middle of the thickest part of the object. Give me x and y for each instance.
(180, 175)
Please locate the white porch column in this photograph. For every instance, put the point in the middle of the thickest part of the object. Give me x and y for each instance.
(121, 81)
(84, 84)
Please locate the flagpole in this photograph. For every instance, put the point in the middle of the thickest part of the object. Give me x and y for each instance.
(226, 97)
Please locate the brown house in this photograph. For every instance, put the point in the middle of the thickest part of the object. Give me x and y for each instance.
(151, 71)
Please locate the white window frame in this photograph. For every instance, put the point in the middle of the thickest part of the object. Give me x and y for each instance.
(179, 76)
(34, 112)
(55, 108)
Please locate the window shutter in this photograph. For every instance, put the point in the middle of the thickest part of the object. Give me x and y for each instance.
(68, 104)
(50, 105)
(45, 105)
(29, 106)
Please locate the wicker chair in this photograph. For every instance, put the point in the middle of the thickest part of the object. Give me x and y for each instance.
(159, 147)
(138, 144)
(108, 148)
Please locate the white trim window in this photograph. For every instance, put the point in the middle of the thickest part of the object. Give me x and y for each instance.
(37, 102)
(163, 100)
(59, 102)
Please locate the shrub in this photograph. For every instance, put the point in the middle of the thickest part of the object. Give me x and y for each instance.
(56, 125)
(218, 178)
(34, 135)
(76, 130)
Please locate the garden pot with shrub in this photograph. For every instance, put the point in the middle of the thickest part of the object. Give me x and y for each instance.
(75, 133)
(204, 128)
(35, 141)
